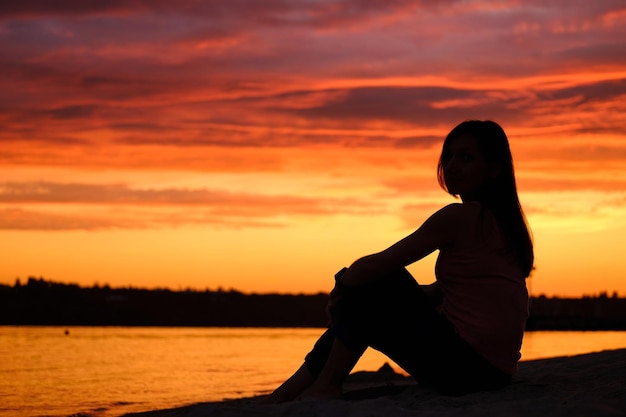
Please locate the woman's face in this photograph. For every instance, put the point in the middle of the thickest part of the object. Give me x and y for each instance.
(465, 169)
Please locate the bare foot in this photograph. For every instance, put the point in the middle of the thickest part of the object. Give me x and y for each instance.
(272, 398)
(330, 392)
(291, 388)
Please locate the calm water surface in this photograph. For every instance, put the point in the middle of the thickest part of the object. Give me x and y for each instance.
(109, 371)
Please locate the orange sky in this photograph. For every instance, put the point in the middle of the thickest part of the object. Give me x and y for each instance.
(262, 146)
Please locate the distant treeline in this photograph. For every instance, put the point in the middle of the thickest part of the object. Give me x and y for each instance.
(42, 302)
(48, 303)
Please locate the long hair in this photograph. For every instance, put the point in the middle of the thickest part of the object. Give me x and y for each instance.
(499, 193)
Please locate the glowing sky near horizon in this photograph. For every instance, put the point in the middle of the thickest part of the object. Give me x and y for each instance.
(263, 145)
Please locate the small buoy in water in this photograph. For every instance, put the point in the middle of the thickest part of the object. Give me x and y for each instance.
(67, 332)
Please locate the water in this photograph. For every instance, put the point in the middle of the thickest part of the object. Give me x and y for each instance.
(109, 371)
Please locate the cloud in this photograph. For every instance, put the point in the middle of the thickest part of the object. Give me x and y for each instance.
(57, 206)
(179, 85)
(247, 40)
(21, 219)
(270, 12)
(48, 192)
(273, 121)
(558, 184)
(41, 220)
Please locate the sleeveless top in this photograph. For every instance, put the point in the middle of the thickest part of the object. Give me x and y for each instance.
(485, 296)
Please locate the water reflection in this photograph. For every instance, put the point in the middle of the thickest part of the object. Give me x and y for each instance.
(108, 371)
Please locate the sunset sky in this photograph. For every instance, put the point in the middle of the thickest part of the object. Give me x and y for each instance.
(263, 145)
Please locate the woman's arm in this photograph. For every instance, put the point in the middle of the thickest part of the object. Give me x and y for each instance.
(437, 231)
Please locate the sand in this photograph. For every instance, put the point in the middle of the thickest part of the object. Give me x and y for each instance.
(591, 385)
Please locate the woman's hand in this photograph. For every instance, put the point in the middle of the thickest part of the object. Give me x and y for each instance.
(335, 296)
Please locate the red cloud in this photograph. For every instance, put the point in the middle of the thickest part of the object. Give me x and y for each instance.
(88, 206)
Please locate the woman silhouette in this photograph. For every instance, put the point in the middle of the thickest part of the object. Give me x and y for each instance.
(464, 332)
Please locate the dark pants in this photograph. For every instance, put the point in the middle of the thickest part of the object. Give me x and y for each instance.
(396, 317)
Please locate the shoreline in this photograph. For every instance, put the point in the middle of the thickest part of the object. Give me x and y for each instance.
(592, 384)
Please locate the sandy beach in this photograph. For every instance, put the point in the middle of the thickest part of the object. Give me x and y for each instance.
(585, 385)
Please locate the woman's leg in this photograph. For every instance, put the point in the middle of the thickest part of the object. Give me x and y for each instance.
(310, 370)
(339, 349)
(389, 309)
(327, 349)
(397, 318)
(340, 362)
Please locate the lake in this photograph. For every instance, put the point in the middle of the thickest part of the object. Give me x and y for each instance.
(109, 371)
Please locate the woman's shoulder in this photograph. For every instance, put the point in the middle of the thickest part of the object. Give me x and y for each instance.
(460, 210)
(459, 218)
